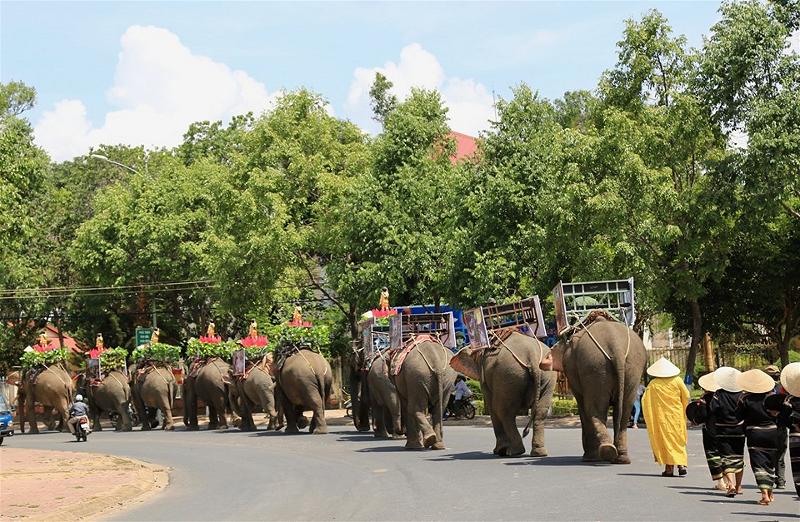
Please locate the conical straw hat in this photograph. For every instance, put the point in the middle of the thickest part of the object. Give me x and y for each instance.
(663, 368)
(726, 378)
(708, 383)
(755, 381)
(790, 378)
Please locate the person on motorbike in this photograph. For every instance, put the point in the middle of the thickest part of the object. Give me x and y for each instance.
(78, 410)
(462, 393)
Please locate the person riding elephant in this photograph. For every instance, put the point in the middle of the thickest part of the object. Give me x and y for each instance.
(110, 394)
(424, 379)
(153, 386)
(305, 382)
(511, 381)
(604, 362)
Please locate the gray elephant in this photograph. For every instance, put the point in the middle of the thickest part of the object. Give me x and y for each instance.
(359, 393)
(424, 383)
(305, 382)
(255, 390)
(52, 387)
(153, 387)
(112, 394)
(511, 381)
(208, 380)
(604, 363)
(384, 401)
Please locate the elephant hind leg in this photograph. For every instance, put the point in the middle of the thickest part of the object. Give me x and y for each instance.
(515, 445)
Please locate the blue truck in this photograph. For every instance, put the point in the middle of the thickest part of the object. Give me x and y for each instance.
(6, 419)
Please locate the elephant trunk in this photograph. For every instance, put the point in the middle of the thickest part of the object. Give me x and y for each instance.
(536, 375)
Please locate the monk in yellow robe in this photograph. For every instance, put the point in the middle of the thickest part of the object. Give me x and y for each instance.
(664, 404)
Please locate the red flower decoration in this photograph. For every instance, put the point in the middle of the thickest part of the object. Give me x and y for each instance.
(259, 340)
(380, 313)
(210, 340)
(304, 324)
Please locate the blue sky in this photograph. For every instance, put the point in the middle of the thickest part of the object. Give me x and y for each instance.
(138, 71)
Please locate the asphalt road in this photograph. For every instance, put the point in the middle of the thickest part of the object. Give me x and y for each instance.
(347, 475)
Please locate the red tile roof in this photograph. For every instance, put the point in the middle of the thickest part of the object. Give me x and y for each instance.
(465, 146)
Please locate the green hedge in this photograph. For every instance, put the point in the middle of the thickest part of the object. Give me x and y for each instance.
(564, 407)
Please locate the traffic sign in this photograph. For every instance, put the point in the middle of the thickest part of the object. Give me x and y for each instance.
(143, 335)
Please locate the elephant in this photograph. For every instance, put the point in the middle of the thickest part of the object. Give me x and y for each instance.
(359, 393)
(153, 387)
(604, 363)
(511, 381)
(256, 389)
(305, 382)
(52, 387)
(384, 401)
(424, 383)
(112, 394)
(208, 380)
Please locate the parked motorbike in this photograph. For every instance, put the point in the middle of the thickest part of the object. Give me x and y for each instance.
(116, 419)
(82, 428)
(466, 410)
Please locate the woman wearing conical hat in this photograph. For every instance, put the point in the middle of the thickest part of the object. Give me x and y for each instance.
(728, 427)
(790, 414)
(664, 403)
(697, 412)
(760, 429)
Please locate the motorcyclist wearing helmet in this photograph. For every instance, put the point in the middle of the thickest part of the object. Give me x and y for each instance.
(78, 410)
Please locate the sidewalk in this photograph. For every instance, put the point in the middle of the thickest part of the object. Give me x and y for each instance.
(61, 485)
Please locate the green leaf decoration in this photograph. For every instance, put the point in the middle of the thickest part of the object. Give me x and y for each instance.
(223, 350)
(157, 352)
(35, 359)
(315, 337)
(113, 359)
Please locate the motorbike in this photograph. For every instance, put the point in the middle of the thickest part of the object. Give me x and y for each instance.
(116, 419)
(82, 428)
(466, 409)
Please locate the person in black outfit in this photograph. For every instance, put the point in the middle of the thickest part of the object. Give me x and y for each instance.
(728, 428)
(760, 430)
(783, 432)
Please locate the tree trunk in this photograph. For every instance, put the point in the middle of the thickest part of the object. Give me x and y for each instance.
(708, 352)
(697, 336)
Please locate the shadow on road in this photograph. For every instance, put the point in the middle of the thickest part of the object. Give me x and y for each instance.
(383, 449)
(468, 455)
(770, 516)
(555, 461)
(361, 437)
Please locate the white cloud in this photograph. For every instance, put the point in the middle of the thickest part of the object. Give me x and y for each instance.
(159, 88)
(470, 103)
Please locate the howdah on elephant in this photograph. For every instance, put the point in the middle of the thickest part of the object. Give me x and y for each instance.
(424, 382)
(511, 381)
(52, 387)
(305, 382)
(604, 363)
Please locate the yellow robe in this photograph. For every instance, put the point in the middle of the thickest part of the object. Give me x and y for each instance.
(664, 404)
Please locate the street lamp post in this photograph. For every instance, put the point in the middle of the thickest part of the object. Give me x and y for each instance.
(117, 163)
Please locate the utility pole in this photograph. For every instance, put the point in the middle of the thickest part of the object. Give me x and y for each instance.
(155, 324)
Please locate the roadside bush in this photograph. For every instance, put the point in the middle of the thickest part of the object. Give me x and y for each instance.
(563, 408)
(475, 387)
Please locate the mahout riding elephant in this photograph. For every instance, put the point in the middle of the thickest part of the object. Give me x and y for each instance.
(511, 381)
(305, 382)
(604, 363)
(153, 387)
(208, 380)
(111, 394)
(256, 390)
(384, 401)
(52, 387)
(424, 383)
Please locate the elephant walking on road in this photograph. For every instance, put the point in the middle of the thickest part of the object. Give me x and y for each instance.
(305, 382)
(604, 363)
(52, 387)
(153, 387)
(384, 400)
(511, 381)
(209, 381)
(112, 394)
(256, 389)
(424, 383)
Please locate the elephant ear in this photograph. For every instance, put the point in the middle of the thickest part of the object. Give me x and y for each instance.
(270, 363)
(464, 362)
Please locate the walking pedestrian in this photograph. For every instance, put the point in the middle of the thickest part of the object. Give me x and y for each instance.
(790, 380)
(637, 407)
(782, 423)
(728, 428)
(761, 431)
(665, 400)
(697, 412)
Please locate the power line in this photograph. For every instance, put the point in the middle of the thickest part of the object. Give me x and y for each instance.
(89, 288)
